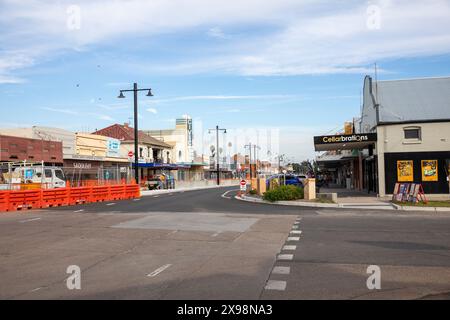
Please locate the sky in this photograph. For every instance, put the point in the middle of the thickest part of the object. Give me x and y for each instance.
(294, 68)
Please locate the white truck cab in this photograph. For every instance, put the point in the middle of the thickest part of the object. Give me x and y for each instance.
(52, 177)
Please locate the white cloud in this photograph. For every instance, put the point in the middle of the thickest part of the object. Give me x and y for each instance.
(152, 110)
(66, 111)
(217, 32)
(299, 37)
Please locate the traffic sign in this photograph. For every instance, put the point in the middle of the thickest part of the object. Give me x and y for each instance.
(243, 185)
(130, 154)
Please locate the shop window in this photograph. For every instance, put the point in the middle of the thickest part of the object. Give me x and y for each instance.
(412, 133)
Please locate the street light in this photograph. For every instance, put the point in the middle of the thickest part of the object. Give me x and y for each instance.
(217, 150)
(136, 132)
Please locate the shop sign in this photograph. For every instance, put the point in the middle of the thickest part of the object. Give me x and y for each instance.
(80, 165)
(429, 170)
(364, 137)
(405, 171)
(113, 147)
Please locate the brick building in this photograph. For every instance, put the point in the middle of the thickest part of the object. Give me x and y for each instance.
(14, 149)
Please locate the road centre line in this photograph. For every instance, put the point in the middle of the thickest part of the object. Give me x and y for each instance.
(81, 210)
(110, 204)
(158, 271)
(28, 220)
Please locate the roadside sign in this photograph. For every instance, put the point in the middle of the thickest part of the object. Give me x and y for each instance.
(130, 154)
(243, 185)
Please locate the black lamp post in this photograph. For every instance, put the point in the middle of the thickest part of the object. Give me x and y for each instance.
(217, 151)
(136, 131)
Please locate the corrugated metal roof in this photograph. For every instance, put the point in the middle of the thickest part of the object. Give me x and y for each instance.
(413, 99)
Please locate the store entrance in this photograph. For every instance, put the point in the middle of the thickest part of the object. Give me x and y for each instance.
(371, 175)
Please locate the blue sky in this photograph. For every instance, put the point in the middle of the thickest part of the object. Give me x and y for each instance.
(295, 66)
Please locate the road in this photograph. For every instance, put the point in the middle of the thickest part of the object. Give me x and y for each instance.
(205, 244)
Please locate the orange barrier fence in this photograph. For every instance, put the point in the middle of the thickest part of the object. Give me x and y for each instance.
(44, 198)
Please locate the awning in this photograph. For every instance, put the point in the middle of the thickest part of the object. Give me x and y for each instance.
(344, 142)
(161, 166)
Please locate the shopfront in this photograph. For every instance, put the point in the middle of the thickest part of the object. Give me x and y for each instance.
(349, 160)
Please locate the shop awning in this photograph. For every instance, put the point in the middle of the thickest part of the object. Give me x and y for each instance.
(161, 166)
(344, 142)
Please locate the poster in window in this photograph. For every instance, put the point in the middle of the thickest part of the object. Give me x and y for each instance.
(405, 171)
(429, 170)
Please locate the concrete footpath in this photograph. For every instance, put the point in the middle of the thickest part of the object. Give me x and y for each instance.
(351, 203)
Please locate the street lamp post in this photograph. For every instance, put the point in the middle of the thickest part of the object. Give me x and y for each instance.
(136, 131)
(217, 151)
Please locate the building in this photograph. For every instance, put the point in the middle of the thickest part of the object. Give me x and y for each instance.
(154, 155)
(190, 166)
(403, 135)
(46, 133)
(180, 138)
(15, 149)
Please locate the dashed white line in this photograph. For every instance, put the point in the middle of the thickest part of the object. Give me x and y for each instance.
(28, 220)
(281, 270)
(275, 285)
(155, 196)
(158, 271)
(110, 204)
(285, 257)
(79, 210)
(293, 238)
(289, 247)
(136, 199)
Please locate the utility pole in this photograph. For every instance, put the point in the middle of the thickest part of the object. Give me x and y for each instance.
(217, 151)
(249, 146)
(255, 156)
(136, 131)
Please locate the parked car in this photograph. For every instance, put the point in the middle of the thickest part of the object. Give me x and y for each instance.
(288, 179)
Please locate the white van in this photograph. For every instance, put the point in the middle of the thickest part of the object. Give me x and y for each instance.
(53, 177)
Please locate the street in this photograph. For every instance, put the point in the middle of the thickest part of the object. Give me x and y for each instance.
(202, 245)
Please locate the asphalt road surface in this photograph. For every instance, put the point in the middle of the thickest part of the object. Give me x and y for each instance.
(205, 244)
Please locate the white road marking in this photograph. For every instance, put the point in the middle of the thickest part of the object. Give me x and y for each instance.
(224, 195)
(285, 257)
(110, 204)
(296, 232)
(155, 196)
(275, 285)
(79, 210)
(215, 234)
(36, 289)
(293, 238)
(295, 227)
(289, 247)
(158, 271)
(136, 199)
(28, 220)
(281, 270)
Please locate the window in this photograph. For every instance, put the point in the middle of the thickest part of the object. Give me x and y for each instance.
(48, 173)
(412, 133)
(140, 152)
(59, 174)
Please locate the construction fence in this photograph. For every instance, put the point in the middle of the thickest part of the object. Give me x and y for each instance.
(13, 200)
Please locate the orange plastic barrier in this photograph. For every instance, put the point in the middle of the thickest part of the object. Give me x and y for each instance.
(26, 199)
(13, 200)
(4, 200)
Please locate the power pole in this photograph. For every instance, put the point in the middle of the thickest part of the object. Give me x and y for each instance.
(217, 151)
(249, 146)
